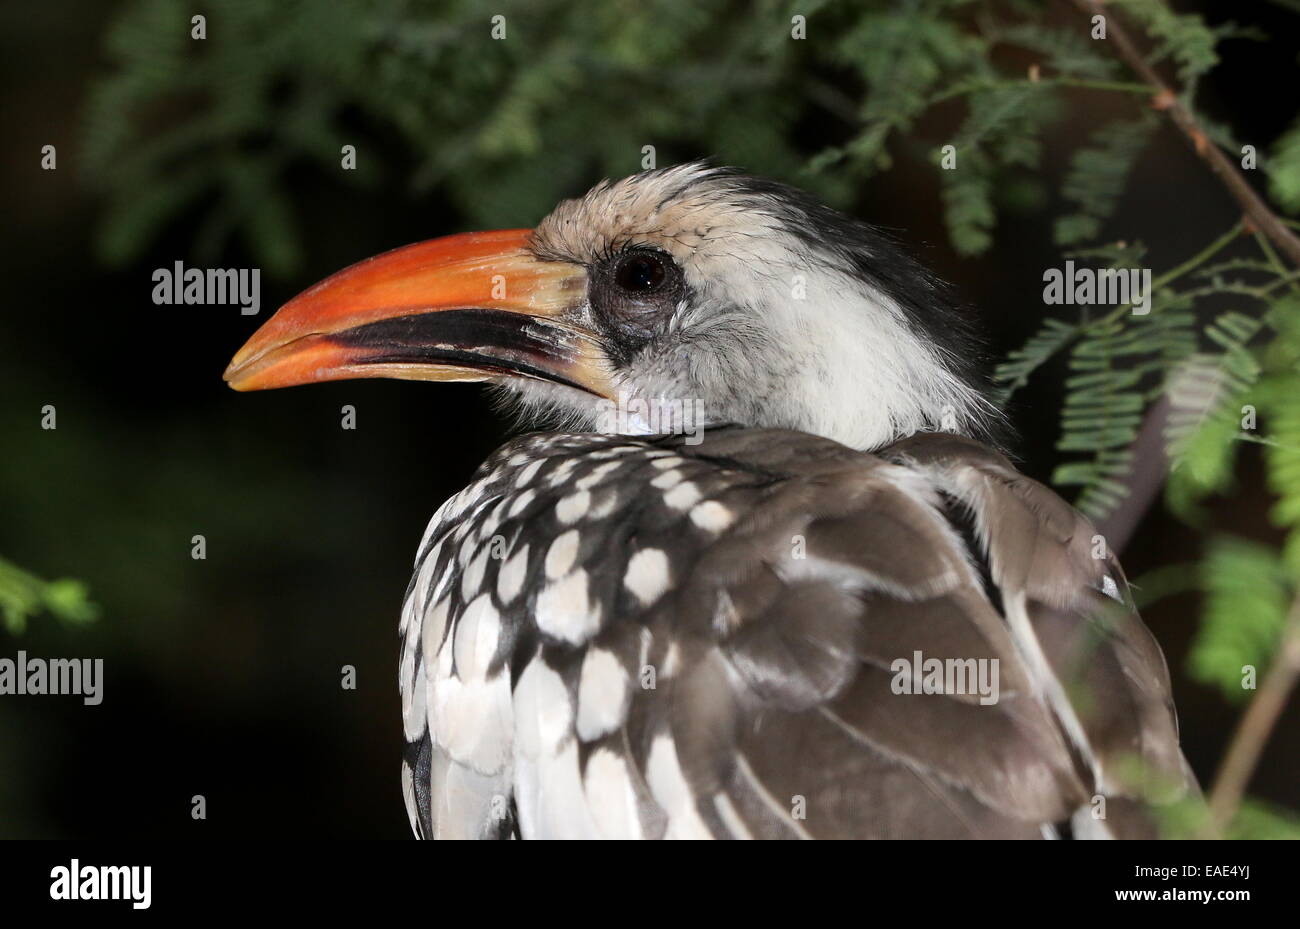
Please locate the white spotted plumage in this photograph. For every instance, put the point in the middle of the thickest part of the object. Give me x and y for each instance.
(618, 663)
(565, 611)
(647, 575)
(603, 694)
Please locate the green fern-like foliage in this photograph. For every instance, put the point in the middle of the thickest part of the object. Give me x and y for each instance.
(1021, 363)
(1279, 394)
(1256, 820)
(504, 127)
(1101, 416)
(1097, 177)
(1189, 818)
(1246, 602)
(1208, 409)
(1185, 38)
(1283, 168)
(24, 595)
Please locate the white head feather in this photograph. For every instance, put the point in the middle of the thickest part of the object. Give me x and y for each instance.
(795, 316)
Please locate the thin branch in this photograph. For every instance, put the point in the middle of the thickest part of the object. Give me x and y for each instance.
(971, 87)
(1256, 210)
(1143, 479)
(1253, 731)
(1274, 263)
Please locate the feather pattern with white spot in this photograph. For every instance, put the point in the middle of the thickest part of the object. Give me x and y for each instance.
(641, 638)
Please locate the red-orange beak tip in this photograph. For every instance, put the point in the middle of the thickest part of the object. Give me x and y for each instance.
(475, 306)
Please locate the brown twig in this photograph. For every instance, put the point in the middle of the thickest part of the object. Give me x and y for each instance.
(1256, 724)
(1143, 480)
(1252, 205)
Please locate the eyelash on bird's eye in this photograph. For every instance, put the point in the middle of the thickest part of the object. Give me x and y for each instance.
(616, 247)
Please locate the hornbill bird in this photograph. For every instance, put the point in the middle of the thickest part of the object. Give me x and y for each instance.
(641, 633)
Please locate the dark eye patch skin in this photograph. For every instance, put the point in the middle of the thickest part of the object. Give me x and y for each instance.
(632, 293)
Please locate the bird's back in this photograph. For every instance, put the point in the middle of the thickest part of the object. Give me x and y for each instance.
(610, 636)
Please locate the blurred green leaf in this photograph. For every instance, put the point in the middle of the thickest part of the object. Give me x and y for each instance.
(24, 596)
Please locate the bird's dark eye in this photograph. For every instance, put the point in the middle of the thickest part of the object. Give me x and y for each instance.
(633, 293)
(640, 273)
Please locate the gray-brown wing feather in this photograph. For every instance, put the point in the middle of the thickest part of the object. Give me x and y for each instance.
(614, 637)
(1068, 603)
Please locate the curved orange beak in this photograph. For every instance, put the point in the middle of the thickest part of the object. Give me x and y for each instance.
(471, 307)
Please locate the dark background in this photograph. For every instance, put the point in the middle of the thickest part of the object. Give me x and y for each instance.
(223, 675)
